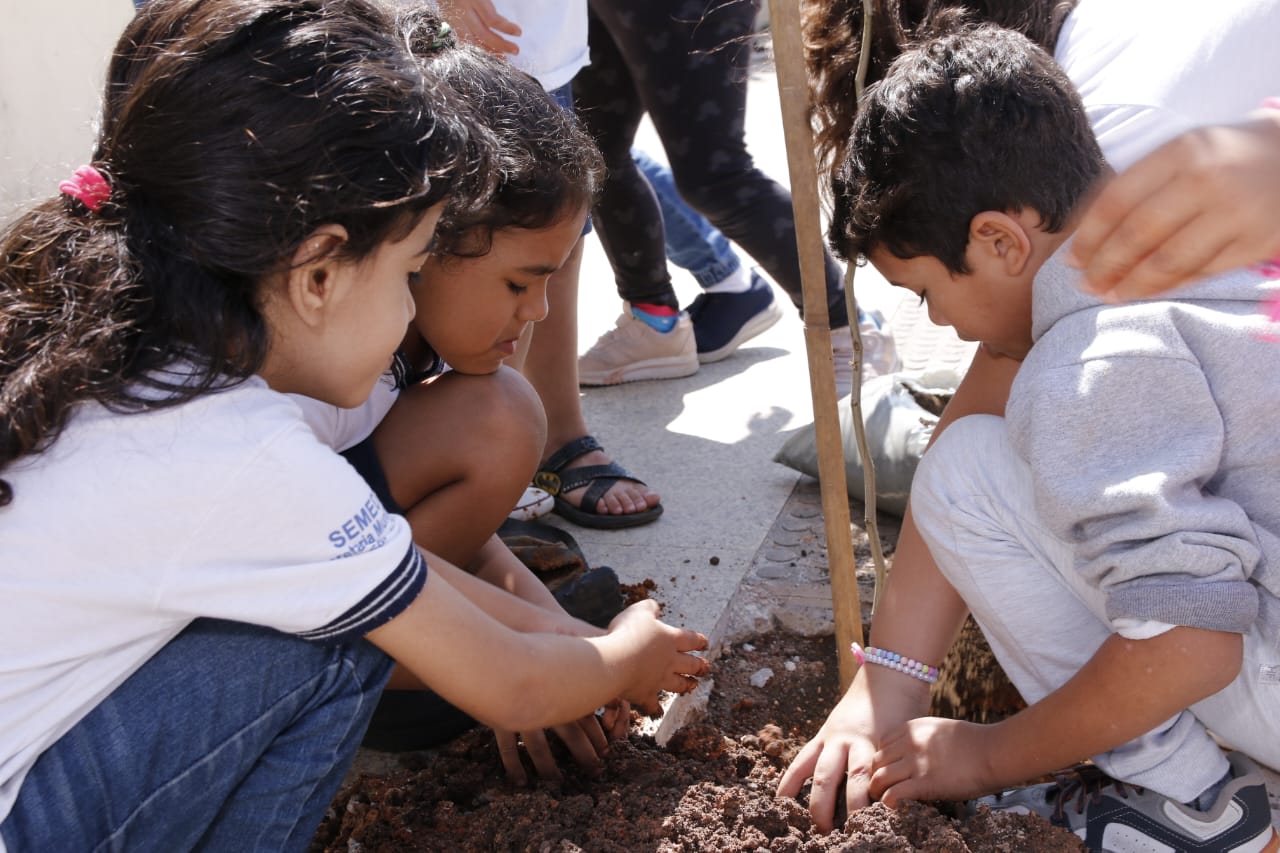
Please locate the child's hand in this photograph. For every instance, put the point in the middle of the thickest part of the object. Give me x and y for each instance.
(930, 758)
(616, 719)
(657, 654)
(585, 739)
(839, 758)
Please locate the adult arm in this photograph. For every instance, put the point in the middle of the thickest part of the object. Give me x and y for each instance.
(1206, 202)
(478, 22)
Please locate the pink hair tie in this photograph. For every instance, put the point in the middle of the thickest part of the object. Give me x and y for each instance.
(88, 186)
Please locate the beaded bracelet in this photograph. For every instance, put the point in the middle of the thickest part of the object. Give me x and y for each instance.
(893, 660)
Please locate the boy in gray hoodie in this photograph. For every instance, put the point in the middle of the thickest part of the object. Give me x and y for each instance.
(1117, 533)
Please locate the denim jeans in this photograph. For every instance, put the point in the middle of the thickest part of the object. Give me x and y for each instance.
(685, 63)
(232, 737)
(692, 243)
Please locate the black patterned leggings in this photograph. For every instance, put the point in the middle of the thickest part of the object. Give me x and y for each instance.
(685, 62)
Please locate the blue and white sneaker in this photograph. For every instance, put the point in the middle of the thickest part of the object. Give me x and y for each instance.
(722, 322)
(1112, 817)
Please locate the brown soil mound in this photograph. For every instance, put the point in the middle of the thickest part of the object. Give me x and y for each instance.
(710, 789)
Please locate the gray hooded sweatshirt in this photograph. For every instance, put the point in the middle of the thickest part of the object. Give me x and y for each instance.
(1150, 432)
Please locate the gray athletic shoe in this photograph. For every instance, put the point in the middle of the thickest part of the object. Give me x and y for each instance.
(1111, 816)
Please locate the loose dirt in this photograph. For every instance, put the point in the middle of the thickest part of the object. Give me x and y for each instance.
(710, 789)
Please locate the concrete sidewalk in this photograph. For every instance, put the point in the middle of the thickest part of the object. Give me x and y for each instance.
(706, 442)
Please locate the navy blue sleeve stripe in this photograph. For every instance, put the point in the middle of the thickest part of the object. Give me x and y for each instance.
(387, 600)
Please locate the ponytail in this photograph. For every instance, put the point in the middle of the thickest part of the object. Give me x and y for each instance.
(231, 130)
(70, 306)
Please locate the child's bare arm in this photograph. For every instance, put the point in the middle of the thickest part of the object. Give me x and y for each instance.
(527, 681)
(497, 565)
(1128, 688)
(918, 616)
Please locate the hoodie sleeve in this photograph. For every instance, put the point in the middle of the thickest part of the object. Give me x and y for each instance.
(1122, 447)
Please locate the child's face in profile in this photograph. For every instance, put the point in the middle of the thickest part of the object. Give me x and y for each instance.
(984, 305)
(473, 310)
(370, 305)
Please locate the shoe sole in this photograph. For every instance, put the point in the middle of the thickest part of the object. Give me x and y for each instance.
(601, 521)
(654, 368)
(757, 324)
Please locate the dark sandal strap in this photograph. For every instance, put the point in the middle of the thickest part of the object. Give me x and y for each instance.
(576, 478)
(571, 451)
(601, 477)
(591, 497)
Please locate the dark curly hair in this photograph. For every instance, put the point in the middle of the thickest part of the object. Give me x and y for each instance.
(231, 129)
(545, 166)
(832, 32)
(977, 119)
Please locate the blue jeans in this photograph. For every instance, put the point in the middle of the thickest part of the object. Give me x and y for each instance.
(692, 243)
(232, 737)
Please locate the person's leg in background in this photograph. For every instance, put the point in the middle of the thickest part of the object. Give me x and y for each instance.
(231, 737)
(693, 85)
(653, 338)
(736, 304)
(548, 358)
(551, 366)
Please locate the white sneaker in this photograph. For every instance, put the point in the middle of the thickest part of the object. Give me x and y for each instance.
(879, 352)
(534, 503)
(634, 350)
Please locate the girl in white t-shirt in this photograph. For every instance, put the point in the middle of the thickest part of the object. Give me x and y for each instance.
(188, 574)
(455, 450)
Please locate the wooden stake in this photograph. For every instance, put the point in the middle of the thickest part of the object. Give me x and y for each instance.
(788, 54)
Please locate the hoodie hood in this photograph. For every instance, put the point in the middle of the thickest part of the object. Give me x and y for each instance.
(1056, 291)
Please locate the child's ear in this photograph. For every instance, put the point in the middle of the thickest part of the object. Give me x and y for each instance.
(998, 240)
(312, 274)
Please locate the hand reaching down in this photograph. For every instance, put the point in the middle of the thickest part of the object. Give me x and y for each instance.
(657, 655)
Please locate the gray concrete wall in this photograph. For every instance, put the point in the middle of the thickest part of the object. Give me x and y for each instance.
(53, 58)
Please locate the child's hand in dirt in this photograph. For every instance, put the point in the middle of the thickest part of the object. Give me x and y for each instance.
(616, 719)
(840, 754)
(585, 739)
(931, 758)
(656, 654)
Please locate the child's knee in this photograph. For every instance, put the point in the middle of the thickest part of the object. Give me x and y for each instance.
(959, 463)
(516, 411)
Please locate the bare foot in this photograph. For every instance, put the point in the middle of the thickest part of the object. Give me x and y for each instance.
(623, 498)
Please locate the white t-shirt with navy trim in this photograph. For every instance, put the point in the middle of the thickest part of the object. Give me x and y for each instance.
(131, 526)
